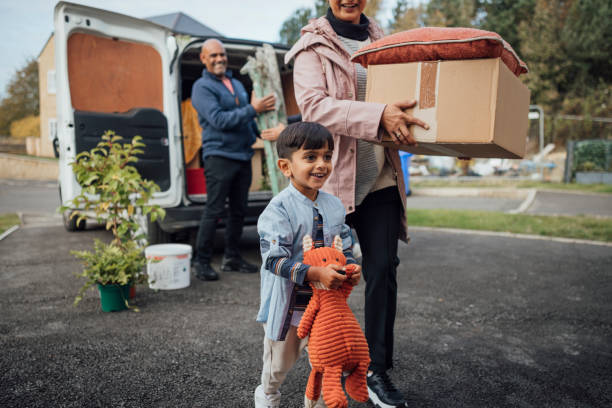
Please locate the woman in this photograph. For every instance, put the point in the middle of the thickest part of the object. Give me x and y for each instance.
(367, 178)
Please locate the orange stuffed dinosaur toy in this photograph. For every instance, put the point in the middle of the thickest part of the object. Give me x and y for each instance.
(336, 342)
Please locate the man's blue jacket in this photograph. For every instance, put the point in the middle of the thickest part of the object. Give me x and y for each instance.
(228, 128)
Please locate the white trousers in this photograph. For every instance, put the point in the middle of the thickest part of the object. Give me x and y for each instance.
(278, 358)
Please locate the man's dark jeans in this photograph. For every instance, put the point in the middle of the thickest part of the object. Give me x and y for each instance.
(226, 179)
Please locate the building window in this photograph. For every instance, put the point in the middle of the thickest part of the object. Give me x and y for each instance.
(51, 82)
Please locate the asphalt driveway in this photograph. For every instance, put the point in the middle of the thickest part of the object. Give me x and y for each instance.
(571, 203)
(483, 321)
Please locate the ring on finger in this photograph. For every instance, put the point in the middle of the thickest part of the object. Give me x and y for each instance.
(398, 134)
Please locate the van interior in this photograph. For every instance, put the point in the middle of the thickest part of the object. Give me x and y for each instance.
(190, 70)
(117, 84)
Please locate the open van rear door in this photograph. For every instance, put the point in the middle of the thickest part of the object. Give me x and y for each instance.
(114, 72)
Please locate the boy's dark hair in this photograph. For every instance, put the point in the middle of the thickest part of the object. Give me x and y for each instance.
(306, 135)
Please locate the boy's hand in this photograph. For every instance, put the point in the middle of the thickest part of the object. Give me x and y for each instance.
(353, 273)
(327, 275)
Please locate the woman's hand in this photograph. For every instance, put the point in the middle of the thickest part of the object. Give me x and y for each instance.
(272, 133)
(396, 122)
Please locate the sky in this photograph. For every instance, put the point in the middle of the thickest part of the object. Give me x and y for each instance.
(25, 25)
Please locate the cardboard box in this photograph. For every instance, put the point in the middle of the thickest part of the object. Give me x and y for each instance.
(475, 108)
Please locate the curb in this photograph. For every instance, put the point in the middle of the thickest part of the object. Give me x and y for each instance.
(512, 235)
(9, 232)
(526, 203)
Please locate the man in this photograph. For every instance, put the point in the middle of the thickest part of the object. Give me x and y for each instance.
(228, 132)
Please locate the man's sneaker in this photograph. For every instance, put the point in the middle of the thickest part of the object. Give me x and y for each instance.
(204, 271)
(383, 393)
(237, 264)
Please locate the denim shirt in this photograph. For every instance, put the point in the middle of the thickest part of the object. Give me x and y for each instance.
(281, 227)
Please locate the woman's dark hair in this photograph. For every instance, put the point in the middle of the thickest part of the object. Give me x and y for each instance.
(303, 135)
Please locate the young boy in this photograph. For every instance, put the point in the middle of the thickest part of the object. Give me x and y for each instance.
(305, 152)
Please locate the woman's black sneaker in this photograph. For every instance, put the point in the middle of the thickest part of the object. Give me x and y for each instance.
(383, 393)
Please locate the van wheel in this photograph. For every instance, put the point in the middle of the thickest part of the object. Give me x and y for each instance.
(156, 235)
(70, 223)
(56, 148)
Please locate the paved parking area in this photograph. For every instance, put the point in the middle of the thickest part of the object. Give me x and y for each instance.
(483, 321)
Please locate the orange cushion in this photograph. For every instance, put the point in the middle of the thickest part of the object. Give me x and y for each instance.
(439, 43)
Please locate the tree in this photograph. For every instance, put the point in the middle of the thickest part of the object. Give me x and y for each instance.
(544, 52)
(584, 34)
(505, 17)
(565, 47)
(372, 8)
(405, 17)
(397, 13)
(320, 7)
(290, 30)
(21, 96)
(25, 127)
(451, 13)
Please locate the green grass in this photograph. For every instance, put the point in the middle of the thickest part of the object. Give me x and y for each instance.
(509, 183)
(581, 227)
(7, 221)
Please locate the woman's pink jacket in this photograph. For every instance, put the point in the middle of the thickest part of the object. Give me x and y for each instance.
(325, 85)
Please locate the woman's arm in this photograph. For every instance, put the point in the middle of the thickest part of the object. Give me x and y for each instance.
(342, 117)
(347, 117)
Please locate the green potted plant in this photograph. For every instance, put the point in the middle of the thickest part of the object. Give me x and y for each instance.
(117, 195)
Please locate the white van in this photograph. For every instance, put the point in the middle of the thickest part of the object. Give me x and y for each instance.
(120, 73)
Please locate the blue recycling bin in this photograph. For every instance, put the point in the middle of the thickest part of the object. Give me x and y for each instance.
(405, 160)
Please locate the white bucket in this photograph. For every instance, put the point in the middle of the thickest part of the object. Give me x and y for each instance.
(168, 265)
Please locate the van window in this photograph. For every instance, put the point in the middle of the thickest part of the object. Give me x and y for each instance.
(108, 75)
